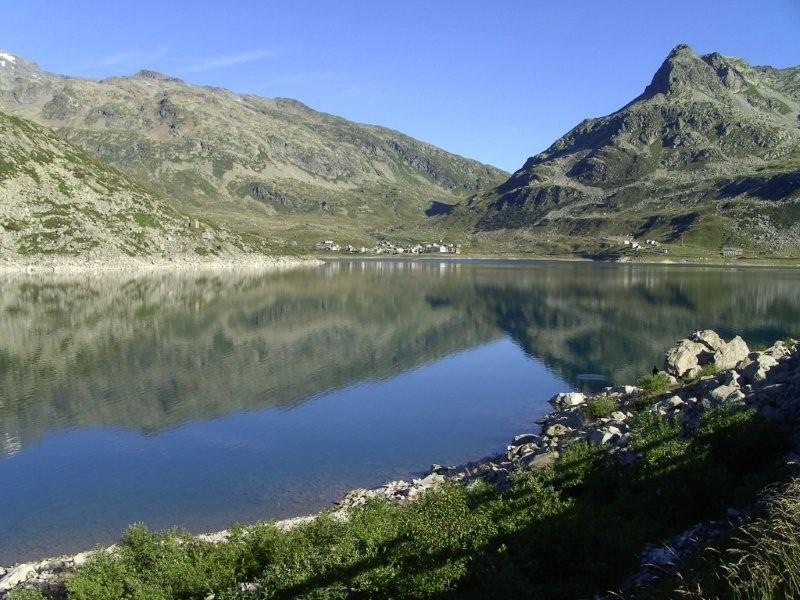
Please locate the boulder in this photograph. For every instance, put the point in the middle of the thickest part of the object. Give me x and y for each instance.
(540, 460)
(731, 353)
(557, 430)
(709, 338)
(756, 369)
(723, 392)
(685, 356)
(17, 575)
(568, 400)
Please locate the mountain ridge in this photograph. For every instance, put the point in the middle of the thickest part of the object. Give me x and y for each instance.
(263, 165)
(708, 140)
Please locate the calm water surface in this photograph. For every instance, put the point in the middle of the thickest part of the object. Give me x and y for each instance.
(202, 400)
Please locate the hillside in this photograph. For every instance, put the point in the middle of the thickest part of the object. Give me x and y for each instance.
(707, 155)
(57, 201)
(262, 165)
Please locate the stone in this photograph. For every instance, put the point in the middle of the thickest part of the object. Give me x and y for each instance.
(683, 357)
(17, 575)
(676, 402)
(524, 438)
(568, 399)
(557, 430)
(709, 338)
(731, 353)
(723, 392)
(618, 415)
(756, 369)
(540, 460)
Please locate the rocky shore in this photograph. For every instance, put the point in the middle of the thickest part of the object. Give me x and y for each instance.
(66, 265)
(701, 373)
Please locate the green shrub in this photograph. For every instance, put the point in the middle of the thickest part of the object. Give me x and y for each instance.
(600, 406)
(654, 384)
(25, 594)
(561, 532)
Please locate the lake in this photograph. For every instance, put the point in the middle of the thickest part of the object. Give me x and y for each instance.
(201, 400)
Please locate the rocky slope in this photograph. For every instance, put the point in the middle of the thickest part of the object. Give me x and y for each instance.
(708, 154)
(262, 164)
(58, 202)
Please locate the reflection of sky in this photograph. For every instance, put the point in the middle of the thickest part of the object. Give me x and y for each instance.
(75, 488)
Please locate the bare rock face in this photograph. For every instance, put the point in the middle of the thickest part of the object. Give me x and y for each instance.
(701, 348)
(684, 357)
(731, 354)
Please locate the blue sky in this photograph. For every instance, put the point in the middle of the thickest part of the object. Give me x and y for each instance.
(493, 80)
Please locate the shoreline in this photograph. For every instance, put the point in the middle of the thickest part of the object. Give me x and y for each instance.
(759, 380)
(66, 266)
(486, 258)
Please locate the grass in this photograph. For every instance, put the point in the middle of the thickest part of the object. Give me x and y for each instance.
(758, 560)
(563, 532)
(600, 406)
(655, 384)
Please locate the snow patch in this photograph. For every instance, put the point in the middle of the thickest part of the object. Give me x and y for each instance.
(4, 58)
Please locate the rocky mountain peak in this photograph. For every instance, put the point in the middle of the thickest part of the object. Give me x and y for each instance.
(155, 75)
(682, 70)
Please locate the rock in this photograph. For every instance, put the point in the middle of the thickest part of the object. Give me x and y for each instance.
(524, 438)
(540, 460)
(693, 373)
(17, 575)
(250, 588)
(618, 415)
(676, 402)
(731, 353)
(709, 338)
(557, 430)
(600, 437)
(755, 370)
(685, 356)
(568, 399)
(723, 392)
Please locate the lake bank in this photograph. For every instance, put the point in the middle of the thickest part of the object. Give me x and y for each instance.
(710, 388)
(66, 265)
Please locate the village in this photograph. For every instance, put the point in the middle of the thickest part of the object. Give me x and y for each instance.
(387, 247)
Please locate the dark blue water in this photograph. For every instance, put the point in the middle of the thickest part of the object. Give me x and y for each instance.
(200, 401)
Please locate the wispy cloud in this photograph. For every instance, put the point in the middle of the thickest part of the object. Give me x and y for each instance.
(130, 57)
(228, 60)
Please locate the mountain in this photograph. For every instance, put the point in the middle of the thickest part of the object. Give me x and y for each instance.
(57, 200)
(708, 154)
(262, 165)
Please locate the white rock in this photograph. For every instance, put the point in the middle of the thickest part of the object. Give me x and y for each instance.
(568, 399)
(17, 575)
(708, 337)
(731, 353)
(683, 357)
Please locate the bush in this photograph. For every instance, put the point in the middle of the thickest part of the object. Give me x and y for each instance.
(600, 406)
(654, 384)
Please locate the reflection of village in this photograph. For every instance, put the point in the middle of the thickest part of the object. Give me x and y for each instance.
(386, 247)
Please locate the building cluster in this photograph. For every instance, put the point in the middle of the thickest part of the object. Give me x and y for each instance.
(386, 247)
(653, 244)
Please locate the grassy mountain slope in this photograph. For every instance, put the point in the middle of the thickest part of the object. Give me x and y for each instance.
(57, 200)
(709, 155)
(260, 164)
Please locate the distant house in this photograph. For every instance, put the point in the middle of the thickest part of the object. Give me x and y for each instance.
(328, 245)
(731, 252)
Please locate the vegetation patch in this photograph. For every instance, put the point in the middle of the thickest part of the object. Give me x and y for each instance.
(561, 532)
